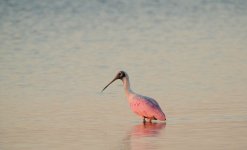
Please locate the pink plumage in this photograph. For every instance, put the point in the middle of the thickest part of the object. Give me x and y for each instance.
(146, 107)
(143, 106)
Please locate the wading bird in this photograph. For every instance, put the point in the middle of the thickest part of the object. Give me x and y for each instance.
(143, 106)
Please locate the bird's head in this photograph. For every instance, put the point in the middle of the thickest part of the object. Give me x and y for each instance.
(120, 75)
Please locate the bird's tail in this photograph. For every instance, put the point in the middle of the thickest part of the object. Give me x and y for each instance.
(161, 116)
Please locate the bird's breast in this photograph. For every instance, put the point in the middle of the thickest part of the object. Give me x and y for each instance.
(134, 104)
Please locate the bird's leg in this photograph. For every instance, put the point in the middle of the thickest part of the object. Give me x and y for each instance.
(150, 120)
(144, 121)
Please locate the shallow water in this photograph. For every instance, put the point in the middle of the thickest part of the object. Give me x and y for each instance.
(55, 58)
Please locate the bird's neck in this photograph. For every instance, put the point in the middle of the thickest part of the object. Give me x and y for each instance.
(126, 84)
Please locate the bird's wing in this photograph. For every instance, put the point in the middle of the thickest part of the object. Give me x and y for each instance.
(152, 101)
(149, 108)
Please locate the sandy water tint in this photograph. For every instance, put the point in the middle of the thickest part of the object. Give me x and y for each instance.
(55, 58)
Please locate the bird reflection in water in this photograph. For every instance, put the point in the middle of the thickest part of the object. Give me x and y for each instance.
(147, 129)
(142, 136)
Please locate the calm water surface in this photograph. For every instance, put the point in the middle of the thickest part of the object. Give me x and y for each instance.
(56, 56)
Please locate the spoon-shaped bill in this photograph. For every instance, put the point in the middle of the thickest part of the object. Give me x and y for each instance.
(110, 83)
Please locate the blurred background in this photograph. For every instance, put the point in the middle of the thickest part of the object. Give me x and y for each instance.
(56, 56)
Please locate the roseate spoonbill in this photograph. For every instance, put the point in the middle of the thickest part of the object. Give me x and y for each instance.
(143, 106)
